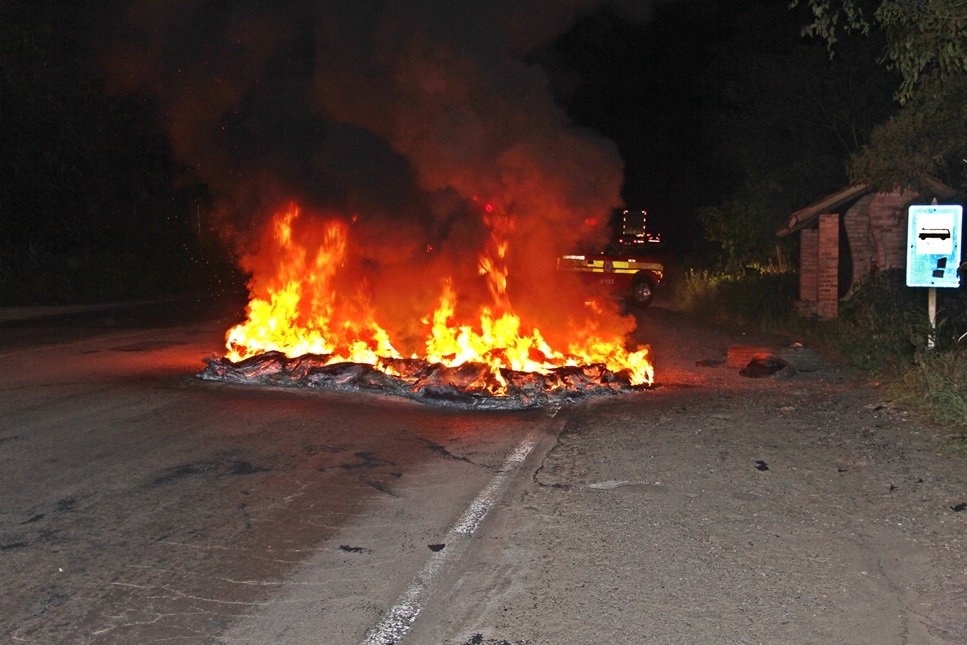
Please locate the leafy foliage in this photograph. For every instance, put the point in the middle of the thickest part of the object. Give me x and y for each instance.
(925, 43)
(923, 38)
(787, 119)
(925, 138)
(886, 322)
(832, 17)
(885, 330)
(744, 228)
(751, 298)
(877, 328)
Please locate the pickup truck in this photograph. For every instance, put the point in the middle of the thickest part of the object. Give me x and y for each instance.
(621, 270)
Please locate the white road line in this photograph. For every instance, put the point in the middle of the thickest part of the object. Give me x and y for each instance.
(401, 617)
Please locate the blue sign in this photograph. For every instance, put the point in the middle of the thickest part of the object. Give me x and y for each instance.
(933, 245)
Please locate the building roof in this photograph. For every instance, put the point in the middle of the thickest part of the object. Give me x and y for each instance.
(804, 217)
(828, 204)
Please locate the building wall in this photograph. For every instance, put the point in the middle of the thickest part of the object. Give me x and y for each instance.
(808, 263)
(856, 221)
(876, 229)
(888, 228)
(827, 301)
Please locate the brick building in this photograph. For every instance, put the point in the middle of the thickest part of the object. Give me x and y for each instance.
(849, 235)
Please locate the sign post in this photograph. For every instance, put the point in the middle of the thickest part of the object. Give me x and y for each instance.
(933, 252)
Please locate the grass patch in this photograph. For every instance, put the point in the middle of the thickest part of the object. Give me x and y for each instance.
(880, 328)
(952, 445)
(936, 385)
(885, 329)
(759, 299)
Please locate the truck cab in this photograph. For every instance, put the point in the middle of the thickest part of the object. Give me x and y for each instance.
(625, 266)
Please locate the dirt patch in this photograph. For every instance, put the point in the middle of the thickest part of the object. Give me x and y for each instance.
(805, 508)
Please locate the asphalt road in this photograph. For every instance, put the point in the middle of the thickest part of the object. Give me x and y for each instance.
(141, 505)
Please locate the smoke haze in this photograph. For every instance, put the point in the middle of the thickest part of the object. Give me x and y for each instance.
(402, 117)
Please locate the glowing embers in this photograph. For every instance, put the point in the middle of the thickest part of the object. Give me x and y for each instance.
(310, 323)
(470, 385)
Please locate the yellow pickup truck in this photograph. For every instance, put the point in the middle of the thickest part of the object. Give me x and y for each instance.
(621, 270)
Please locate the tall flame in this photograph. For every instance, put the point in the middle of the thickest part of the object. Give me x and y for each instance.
(299, 310)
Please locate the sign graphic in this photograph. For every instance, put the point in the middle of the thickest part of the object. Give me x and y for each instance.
(933, 245)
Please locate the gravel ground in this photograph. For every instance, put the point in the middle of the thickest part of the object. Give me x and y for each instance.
(722, 509)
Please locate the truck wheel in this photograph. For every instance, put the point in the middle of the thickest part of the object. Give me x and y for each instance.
(642, 291)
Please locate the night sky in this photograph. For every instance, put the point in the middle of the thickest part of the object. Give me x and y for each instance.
(404, 114)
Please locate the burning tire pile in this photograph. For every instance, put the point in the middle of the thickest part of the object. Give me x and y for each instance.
(468, 386)
(305, 327)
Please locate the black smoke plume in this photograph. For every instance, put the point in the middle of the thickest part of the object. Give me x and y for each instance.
(403, 117)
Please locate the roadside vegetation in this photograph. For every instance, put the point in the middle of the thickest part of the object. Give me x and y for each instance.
(910, 55)
(884, 330)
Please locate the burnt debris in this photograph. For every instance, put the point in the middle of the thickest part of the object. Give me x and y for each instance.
(470, 386)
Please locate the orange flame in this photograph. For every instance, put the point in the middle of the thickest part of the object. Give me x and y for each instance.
(300, 312)
(297, 309)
